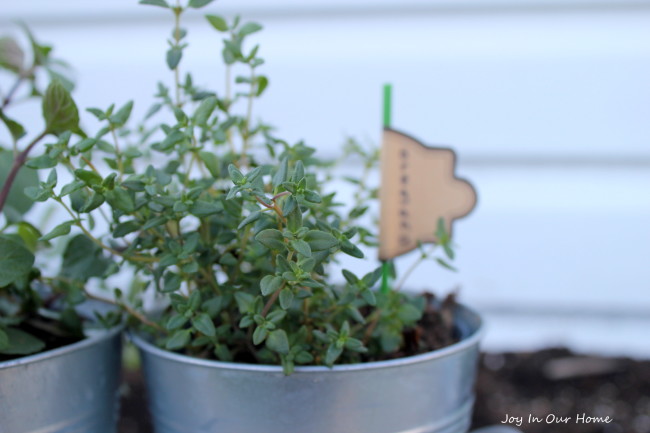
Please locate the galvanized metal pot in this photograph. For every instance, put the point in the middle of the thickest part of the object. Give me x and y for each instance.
(427, 393)
(72, 389)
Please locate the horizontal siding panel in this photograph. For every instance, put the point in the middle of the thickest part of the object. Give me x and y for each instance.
(555, 86)
(46, 10)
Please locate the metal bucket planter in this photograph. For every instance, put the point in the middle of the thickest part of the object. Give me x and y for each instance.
(70, 389)
(428, 393)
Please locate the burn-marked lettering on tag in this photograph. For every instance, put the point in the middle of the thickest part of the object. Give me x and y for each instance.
(418, 187)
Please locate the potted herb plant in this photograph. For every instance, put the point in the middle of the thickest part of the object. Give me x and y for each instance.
(232, 232)
(59, 366)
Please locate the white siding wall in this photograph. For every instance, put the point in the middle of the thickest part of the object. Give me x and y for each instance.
(546, 102)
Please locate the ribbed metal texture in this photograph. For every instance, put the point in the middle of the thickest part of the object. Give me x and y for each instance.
(73, 389)
(430, 393)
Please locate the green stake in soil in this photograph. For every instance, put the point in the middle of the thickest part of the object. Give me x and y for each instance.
(386, 264)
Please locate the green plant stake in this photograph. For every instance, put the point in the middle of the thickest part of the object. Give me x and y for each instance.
(386, 264)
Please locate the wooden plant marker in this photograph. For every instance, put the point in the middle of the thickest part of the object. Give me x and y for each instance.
(418, 187)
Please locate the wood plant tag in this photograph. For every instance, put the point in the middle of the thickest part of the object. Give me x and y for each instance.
(418, 187)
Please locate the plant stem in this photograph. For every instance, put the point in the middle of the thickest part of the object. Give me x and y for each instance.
(371, 328)
(118, 154)
(272, 300)
(99, 243)
(425, 255)
(15, 167)
(7, 100)
(126, 307)
(177, 37)
(249, 115)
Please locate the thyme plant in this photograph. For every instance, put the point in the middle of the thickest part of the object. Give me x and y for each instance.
(230, 226)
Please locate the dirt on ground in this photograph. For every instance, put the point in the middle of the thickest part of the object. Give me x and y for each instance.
(564, 392)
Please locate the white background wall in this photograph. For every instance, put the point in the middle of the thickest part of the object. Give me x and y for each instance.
(546, 103)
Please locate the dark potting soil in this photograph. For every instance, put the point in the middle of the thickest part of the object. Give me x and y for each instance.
(433, 331)
(549, 382)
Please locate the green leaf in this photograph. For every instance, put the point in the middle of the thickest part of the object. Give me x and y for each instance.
(320, 241)
(17, 201)
(82, 259)
(203, 323)
(29, 234)
(217, 22)
(205, 109)
(409, 313)
(355, 345)
(446, 265)
(174, 55)
(178, 340)
(211, 163)
(236, 175)
(276, 316)
(249, 28)
(277, 341)
(154, 222)
(12, 56)
(332, 354)
(270, 284)
(259, 335)
(121, 199)
(369, 297)
(94, 201)
(21, 343)
(312, 196)
(301, 247)
(298, 172)
(161, 3)
(203, 208)
(197, 4)
(272, 239)
(176, 322)
(89, 177)
(251, 218)
(286, 298)
(352, 250)
(262, 84)
(59, 110)
(244, 301)
(125, 228)
(99, 114)
(152, 110)
(43, 161)
(15, 261)
(171, 282)
(350, 277)
(120, 118)
(60, 230)
(304, 358)
(16, 130)
(280, 176)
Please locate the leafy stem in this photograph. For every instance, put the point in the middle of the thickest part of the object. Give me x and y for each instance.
(18, 162)
(178, 10)
(118, 154)
(272, 299)
(423, 256)
(99, 243)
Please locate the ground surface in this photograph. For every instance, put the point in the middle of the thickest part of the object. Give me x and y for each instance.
(547, 384)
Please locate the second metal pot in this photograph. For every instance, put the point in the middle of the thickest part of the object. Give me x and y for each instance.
(72, 389)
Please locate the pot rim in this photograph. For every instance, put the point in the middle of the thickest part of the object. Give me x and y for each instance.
(97, 335)
(467, 342)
